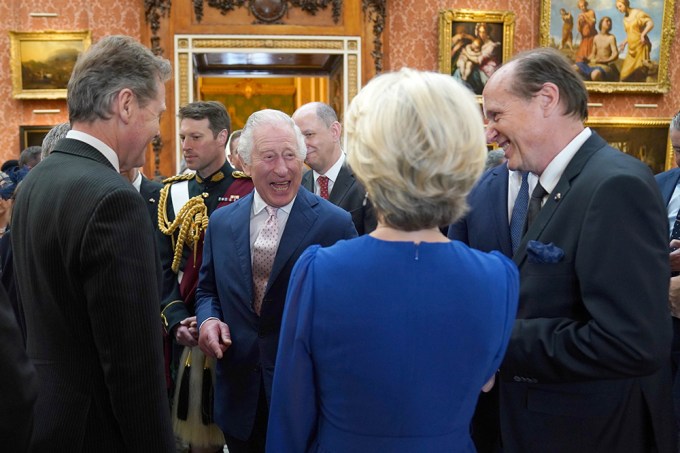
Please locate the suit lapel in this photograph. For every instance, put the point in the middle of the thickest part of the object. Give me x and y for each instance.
(308, 181)
(341, 186)
(239, 222)
(559, 193)
(498, 192)
(302, 216)
(668, 186)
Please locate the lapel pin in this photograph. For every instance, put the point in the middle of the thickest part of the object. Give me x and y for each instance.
(151, 200)
(558, 196)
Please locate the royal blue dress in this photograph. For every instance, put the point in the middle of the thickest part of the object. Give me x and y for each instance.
(385, 346)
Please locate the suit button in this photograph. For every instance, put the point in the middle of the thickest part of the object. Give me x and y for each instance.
(261, 334)
(256, 369)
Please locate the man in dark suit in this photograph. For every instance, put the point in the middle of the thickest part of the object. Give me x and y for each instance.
(87, 266)
(669, 184)
(18, 382)
(587, 367)
(240, 296)
(148, 189)
(486, 227)
(322, 131)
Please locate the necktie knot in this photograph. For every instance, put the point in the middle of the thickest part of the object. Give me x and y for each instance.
(539, 192)
(322, 181)
(535, 204)
(271, 211)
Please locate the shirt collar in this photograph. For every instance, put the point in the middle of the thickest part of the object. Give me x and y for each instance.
(259, 204)
(137, 183)
(99, 145)
(553, 172)
(332, 172)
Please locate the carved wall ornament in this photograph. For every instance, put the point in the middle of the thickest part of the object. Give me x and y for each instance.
(269, 11)
(154, 10)
(376, 12)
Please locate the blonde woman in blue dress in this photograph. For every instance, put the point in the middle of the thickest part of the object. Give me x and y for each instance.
(388, 338)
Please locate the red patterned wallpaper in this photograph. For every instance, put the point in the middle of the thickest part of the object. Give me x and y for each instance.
(100, 17)
(413, 41)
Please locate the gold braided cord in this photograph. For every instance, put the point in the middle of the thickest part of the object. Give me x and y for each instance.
(191, 220)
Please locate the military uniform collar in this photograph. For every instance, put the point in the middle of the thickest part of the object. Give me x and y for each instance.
(216, 177)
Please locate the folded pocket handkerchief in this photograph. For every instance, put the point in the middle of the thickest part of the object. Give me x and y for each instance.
(538, 252)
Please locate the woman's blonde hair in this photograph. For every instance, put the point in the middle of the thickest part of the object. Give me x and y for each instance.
(416, 141)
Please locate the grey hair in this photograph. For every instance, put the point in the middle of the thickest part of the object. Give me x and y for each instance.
(267, 117)
(106, 68)
(675, 122)
(53, 136)
(29, 154)
(236, 135)
(325, 113)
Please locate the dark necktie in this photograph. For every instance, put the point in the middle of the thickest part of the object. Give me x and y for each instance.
(535, 204)
(519, 212)
(323, 186)
(675, 232)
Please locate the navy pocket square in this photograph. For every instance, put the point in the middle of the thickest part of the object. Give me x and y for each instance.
(538, 252)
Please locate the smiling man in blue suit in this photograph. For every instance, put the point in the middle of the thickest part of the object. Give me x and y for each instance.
(250, 249)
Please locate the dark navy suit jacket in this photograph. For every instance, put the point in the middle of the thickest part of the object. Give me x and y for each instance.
(225, 291)
(350, 195)
(486, 225)
(667, 182)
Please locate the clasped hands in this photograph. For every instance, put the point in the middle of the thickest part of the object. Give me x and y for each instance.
(674, 293)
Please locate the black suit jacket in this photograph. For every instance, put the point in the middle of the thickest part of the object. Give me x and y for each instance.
(150, 192)
(588, 364)
(89, 277)
(350, 195)
(18, 383)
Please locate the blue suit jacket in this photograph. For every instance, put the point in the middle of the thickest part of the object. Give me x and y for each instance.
(486, 225)
(225, 291)
(667, 182)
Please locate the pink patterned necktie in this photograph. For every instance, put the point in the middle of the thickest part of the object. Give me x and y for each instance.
(264, 251)
(323, 186)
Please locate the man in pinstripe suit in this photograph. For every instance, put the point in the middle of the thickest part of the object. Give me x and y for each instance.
(87, 265)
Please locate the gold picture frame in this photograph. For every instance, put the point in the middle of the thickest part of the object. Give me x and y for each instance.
(473, 44)
(566, 25)
(32, 135)
(644, 138)
(41, 62)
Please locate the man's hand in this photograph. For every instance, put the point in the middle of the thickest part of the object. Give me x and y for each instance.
(675, 255)
(186, 332)
(489, 384)
(674, 296)
(214, 338)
